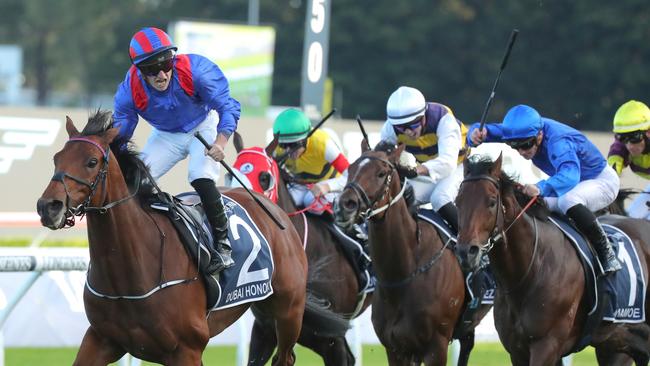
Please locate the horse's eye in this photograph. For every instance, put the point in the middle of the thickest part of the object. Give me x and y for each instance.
(92, 163)
(381, 174)
(492, 203)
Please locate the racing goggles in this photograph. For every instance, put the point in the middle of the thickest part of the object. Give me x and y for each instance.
(630, 137)
(152, 69)
(408, 126)
(522, 144)
(290, 146)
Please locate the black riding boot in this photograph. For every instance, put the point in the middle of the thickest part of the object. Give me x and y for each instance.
(587, 223)
(449, 212)
(214, 210)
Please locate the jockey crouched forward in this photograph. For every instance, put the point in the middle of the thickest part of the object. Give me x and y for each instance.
(436, 138)
(580, 181)
(179, 95)
(316, 164)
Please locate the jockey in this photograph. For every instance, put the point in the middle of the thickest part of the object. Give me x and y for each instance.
(179, 95)
(436, 138)
(631, 148)
(580, 181)
(318, 167)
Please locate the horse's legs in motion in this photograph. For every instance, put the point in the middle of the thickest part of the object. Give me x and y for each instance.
(288, 326)
(466, 346)
(544, 352)
(395, 359)
(608, 358)
(263, 342)
(437, 354)
(97, 351)
(335, 351)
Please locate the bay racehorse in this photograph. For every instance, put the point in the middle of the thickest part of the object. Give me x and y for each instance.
(330, 275)
(541, 304)
(420, 292)
(153, 302)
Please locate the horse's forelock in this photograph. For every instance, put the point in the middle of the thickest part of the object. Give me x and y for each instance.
(99, 122)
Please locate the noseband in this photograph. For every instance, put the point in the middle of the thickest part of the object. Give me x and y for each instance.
(84, 206)
(370, 210)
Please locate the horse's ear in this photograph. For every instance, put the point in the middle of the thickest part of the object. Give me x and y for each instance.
(270, 148)
(395, 154)
(69, 126)
(111, 134)
(466, 166)
(238, 142)
(495, 171)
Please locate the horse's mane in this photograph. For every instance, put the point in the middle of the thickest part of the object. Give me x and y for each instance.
(133, 168)
(481, 165)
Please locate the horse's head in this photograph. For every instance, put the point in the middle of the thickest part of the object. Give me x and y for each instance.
(480, 211)
(373, 184)
(259, 167)
(80, 169)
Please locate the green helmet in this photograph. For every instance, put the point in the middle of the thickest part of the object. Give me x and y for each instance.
(291, 125)
(632, 116)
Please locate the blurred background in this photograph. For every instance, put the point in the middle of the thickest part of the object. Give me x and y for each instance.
(574, 61)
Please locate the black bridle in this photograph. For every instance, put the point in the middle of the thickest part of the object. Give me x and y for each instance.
(498, 232)
(370, 209)
(100, 179)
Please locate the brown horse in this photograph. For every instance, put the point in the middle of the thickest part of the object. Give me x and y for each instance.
(157, 305)
(330, 276)
(420, 287)
(540, 308)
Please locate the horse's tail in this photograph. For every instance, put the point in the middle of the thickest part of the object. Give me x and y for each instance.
(320, 320)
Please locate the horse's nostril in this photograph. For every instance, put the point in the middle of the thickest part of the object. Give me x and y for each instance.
(473, 250)
(350, 205)
(55, 206)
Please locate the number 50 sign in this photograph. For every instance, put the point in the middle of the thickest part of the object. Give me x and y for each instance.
(314, 60)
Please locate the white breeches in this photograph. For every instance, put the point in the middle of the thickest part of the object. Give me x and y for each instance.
(639, 208)
(164, 149)
(595, 193)
(440, 193)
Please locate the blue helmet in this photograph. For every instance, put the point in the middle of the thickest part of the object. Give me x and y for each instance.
(521, 122)
(149, 42)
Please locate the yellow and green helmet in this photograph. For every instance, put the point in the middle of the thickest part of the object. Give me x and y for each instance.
(291, 125)
(632, 116)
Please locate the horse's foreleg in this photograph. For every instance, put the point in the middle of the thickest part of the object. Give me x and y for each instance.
(186, 356)
(97, 351)
(437, 354)
(263, 342)
(466, 346)
(544, 352)
(608, 358)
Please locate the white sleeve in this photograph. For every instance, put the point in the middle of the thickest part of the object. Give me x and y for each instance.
(388, 133)
(449, 145)
(338, 183)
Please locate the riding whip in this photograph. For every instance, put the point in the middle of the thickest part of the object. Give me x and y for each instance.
(511, 42)
(223, 163)
(363, 132)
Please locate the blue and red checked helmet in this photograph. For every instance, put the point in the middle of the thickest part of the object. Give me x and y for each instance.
(149, 42)
(521, 122)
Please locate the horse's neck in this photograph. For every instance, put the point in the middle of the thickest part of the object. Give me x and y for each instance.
(121, 239)
(512, 258)
(393, 240)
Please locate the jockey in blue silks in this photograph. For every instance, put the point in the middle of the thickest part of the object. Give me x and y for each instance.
(178, 95)
(580, 181)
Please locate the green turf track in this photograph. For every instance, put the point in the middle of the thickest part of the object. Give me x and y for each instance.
(484, 354)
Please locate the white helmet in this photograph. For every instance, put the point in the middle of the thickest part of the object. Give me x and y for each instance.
(405, 105)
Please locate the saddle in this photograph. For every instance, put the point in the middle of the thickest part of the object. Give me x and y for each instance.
(249, 279)
(618, 297)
